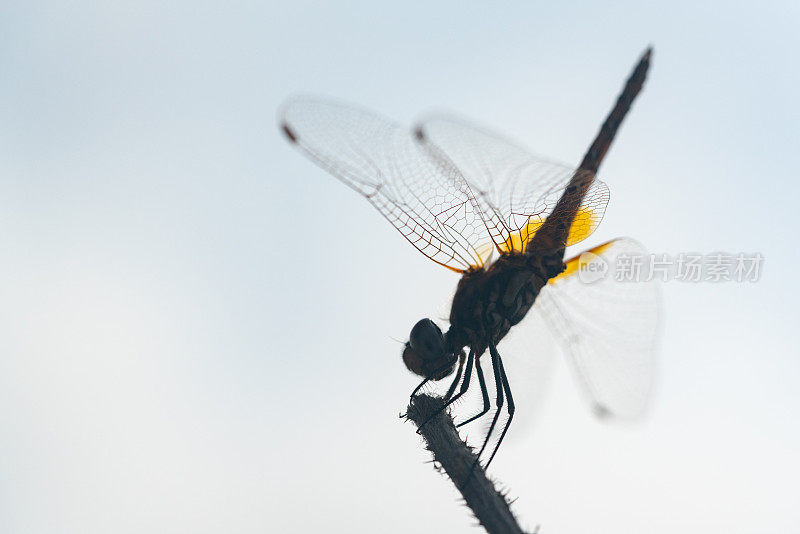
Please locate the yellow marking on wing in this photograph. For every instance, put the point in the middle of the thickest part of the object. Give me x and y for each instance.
(582, 227)
(484, 252)
(573, 264)
(516, 242)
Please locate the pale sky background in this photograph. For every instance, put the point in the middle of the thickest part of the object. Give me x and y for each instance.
(197, 325)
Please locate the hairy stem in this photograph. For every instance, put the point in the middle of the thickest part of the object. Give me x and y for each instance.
(457, 459)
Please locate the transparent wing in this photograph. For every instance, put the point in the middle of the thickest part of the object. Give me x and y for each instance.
(516, 190)
(427, 199)
(607, 326)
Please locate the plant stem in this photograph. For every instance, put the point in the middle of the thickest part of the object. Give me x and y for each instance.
(490, 507)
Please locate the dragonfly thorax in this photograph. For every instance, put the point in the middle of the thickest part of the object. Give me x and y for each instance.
(489, 302)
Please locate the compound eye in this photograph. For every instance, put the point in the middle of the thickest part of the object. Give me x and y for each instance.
(427, 341)
(414, 363)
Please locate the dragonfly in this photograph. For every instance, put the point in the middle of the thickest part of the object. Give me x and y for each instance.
(492, 211)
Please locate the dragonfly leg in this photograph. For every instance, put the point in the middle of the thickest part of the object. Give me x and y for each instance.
(411, 397)
(419, 387)
(464, 388)
(484, 393)
(511, 408)
(498, 383)
(428, 379)
(453, 385)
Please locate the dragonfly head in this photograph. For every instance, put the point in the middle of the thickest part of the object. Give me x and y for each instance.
(427, 351)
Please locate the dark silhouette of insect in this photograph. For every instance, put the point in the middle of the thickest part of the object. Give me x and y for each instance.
(482, 206)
